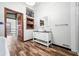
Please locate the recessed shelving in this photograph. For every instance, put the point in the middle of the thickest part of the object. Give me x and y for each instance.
(30, 23)
(29, 19)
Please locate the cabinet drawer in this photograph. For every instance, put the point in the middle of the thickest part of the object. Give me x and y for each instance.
(41, 36)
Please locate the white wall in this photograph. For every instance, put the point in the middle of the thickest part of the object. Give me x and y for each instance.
(75, 27)
(17, 6)
(4, 51)
(2, 46)
(2, 19)
(57, 13)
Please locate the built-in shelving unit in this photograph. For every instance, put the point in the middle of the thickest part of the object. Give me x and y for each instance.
(29, 19)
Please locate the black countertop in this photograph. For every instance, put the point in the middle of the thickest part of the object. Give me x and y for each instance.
(43, 31)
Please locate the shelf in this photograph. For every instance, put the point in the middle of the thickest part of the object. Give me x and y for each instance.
(30, 22)
(29, 17)
(30, 27)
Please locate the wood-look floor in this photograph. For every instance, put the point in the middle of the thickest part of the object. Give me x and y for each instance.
(29, 48)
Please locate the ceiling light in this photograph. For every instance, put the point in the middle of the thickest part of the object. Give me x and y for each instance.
(30, 3)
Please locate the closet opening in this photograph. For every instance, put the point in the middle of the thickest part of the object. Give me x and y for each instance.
(13, 23)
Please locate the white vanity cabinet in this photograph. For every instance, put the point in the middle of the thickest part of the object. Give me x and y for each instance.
(42, 37)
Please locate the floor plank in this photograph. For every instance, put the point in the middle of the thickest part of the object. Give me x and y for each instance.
(30, 48)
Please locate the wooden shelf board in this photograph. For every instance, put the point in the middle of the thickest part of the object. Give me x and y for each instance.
(30, 17)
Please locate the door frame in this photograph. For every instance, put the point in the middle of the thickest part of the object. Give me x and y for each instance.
(5, 20)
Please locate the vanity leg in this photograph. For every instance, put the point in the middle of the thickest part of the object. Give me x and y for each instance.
(33, 39)
(47, 44)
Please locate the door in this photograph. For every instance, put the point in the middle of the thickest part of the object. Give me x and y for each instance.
(20, 26)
